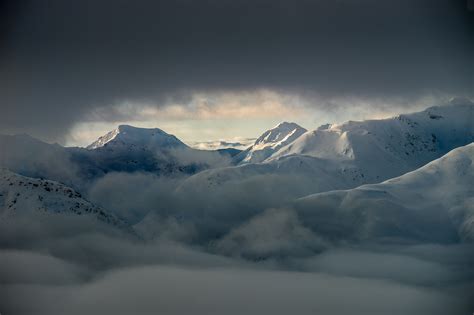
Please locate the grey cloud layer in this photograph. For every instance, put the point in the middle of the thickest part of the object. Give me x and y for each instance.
(61, 60)
(337, 283)
(46, 267)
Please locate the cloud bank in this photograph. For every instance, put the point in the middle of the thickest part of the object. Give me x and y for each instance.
(61, 62)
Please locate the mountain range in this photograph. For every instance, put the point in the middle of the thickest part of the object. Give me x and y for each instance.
(405, 177)
(125, 149)
(351, 154)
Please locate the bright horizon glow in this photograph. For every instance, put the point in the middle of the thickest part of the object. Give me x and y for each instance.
(231, 116)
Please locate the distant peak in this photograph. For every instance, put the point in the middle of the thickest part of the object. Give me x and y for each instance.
(283, 132)
(129, 128)
(271, 141)
(136, 136)
(286, 124)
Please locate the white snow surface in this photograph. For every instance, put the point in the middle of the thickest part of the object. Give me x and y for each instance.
(433, 203)
(271, 141)
(125, 135)
(352, 154)
(26, 196)
(411, 137)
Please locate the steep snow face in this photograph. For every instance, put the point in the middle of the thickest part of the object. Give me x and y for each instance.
(433, 203)
(271, 141)
(322, 143)
(103, 140)
(283, 133)
(130, 136)
(28, 197)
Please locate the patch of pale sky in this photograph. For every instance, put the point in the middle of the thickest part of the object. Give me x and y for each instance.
(227, 116)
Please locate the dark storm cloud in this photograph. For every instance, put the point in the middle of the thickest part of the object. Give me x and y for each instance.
(61, 59)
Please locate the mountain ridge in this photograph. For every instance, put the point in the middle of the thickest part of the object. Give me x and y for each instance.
(269, 142)
(337, 140)
(353, 159)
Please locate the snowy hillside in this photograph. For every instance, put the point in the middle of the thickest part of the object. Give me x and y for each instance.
(400, 144)
(354, 153)
(433, 203)
(270, 142)
(22, 196)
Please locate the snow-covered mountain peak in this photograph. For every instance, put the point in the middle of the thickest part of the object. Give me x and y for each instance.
(280, 133)
(287, 125)
(271, 141)
(419, 137)
(126, 135)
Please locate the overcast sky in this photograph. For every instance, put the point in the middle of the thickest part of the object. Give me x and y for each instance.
(70, 70)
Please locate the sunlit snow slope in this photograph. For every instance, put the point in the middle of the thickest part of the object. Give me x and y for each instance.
(354, 153)
(270, 142)
(433, 203)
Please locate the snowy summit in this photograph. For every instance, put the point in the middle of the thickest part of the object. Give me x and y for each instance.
(125, 135)
(271, 141)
